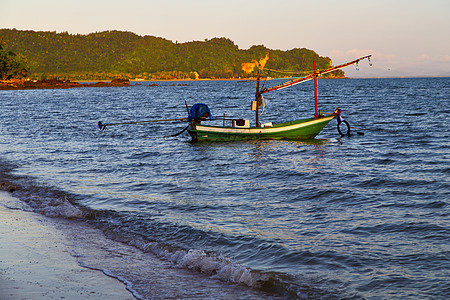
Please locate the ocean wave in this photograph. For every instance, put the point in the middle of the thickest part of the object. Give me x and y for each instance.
(58, 205)
(45, 201)
(197, 260)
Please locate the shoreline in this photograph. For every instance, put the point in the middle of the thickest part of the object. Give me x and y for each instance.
(55, 258)
(36, 260)
(23, 84)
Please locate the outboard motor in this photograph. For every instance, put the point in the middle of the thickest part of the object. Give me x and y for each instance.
(199, 112)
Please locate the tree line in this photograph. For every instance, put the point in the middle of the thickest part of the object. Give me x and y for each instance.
(122, 54)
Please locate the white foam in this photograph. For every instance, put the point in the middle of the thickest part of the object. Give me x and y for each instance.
(218, 267)
(50, 205)
(63, 209)
(198, 260)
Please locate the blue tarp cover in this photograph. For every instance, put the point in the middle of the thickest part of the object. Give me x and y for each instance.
(199, 110)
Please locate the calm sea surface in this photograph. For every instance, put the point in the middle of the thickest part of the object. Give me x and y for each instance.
(365, 216)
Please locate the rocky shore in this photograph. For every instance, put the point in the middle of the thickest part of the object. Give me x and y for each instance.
(20, 84)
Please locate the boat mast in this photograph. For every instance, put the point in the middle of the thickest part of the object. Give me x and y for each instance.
(316, 75)
(257, 95)
(248, 68)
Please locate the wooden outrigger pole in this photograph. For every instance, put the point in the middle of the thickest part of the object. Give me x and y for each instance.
(315, 75)
(103, 126)
(311, 76)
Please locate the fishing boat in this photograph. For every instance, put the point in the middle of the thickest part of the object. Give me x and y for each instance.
(240, 129)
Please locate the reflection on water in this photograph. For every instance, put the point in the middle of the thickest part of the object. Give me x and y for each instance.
(325, 218)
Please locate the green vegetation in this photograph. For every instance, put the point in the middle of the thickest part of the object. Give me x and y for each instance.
(119, 54)
(12, 65)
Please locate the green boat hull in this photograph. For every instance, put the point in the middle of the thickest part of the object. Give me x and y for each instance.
(294, 130)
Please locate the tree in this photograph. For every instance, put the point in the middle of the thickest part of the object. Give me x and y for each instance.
(12, 65)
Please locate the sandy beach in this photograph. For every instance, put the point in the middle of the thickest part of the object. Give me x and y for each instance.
(36, 260)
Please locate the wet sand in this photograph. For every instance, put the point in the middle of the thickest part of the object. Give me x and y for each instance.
(36, 261)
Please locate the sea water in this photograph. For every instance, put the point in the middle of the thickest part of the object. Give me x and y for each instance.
(360, 216)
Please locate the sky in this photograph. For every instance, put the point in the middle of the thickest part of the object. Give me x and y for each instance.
(407, 38)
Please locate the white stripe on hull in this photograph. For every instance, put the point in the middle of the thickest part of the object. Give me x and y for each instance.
(261, 129)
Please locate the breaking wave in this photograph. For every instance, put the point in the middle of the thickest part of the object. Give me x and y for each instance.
(55, 204)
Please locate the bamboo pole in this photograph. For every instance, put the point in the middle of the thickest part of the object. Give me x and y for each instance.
(103, 126)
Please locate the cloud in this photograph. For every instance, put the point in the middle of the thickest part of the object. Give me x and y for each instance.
(433, 59)
(423, 57)
(446, 58)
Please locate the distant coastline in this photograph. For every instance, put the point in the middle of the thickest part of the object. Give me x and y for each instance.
(118, 54)
(20, 84)
(26, 84)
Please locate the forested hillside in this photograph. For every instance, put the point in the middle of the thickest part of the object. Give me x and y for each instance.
(114, 54)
